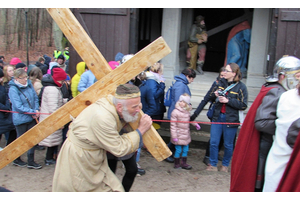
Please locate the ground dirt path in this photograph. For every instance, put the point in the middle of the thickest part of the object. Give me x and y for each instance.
(159, 177)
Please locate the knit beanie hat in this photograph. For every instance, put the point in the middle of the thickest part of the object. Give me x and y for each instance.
(59, 74)
(15, 61)
(20, 65)
(119, 56)
(186, 99)
(1, 73)
(61, 57)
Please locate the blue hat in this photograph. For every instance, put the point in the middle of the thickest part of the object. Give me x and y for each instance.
(119, 56)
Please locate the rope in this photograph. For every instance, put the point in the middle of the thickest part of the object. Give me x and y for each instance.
(154, 120)
(191, 122)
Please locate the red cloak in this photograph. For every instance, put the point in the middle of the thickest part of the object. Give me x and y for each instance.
(245, 154)
(291, 176)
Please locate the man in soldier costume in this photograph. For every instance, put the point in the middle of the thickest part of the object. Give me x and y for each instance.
(256, 134)
(196, 46)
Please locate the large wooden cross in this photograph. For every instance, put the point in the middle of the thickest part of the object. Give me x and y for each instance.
(108, 81)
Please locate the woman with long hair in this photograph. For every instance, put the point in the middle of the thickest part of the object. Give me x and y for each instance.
(8, 71)
(35, 76)
(230, 97)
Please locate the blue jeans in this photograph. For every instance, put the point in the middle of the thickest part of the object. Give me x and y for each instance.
(181, 148)
(138, 153)
(216, 132)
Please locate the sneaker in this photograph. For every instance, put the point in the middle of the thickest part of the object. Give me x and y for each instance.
(169, 159)
(34, 165)
(211, 168)
(224, 169)
(19, 162)
(140, 172)
(50, 162)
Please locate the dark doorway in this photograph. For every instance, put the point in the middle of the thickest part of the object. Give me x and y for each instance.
(150, 26)
(216, 44)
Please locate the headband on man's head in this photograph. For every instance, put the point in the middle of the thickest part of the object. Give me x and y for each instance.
(127, 91)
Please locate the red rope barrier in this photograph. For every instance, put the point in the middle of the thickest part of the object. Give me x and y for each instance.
(154, 120)
(26, 113)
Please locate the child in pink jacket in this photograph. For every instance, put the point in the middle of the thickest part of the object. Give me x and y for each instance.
(180, 132)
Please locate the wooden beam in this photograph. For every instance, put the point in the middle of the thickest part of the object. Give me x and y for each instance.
(75, 35)
(229, 24)
(106, 85)
(80, 40)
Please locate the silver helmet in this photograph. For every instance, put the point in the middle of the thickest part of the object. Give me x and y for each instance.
(288, 66)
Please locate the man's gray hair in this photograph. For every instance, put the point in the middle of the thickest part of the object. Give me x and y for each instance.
(121, 101)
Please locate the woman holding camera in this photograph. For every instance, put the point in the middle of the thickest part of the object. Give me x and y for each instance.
(231, 97)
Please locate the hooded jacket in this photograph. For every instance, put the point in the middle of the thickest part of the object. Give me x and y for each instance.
(86, 80)
(20, 104)
(80, 68)
(152, 95)
(180, 87)
(52, 99)
(178, 130)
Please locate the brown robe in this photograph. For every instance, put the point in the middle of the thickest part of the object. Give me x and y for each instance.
(82, 162)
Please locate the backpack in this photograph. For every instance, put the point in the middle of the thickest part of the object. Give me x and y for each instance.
(168, 97)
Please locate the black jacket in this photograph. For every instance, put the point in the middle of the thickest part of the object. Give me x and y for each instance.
(207, 98)
(238, 100)
(43, 67)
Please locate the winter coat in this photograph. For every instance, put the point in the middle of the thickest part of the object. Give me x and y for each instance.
(43, 67)
(20, 104)
(180, 87)
(47, 60)
(238, 99)
(82, 161)
(86, 80)
(6, 124)
(152, 96)
(80, 67)
(178, 130)
(52, 99)
(205, 100)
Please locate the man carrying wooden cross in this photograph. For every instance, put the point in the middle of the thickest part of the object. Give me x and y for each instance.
(82, 163)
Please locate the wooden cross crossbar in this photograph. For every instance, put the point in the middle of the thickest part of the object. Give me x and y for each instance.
(107, 83)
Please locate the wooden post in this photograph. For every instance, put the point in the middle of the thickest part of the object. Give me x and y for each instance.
(107, 83)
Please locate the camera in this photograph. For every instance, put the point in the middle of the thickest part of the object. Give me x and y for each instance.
(221, 93)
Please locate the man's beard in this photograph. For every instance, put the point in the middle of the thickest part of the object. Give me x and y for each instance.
(127, 117)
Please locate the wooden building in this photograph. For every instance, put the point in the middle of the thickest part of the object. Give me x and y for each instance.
(274, 33)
